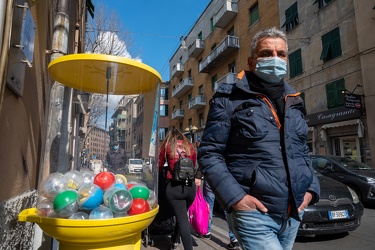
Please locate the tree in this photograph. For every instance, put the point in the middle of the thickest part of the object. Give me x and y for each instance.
(105, 34)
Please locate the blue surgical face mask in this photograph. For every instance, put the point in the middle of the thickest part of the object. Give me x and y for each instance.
(270, 69)
(115, 147)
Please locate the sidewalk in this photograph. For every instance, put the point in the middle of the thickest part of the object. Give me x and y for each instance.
(219, 240)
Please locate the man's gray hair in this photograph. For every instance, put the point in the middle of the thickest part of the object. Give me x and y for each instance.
(269, 32)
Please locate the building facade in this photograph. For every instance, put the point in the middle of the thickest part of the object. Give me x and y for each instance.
(97, 143)
(214, 51)
(326, 65)
(330, 59)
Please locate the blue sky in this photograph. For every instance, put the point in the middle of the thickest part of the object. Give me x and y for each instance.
(156, 27)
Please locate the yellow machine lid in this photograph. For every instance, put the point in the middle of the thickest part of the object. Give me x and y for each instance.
(97, 72)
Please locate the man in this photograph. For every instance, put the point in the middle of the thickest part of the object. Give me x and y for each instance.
(253, 151)
(115, 158)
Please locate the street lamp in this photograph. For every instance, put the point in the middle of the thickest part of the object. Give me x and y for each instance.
(191, 130)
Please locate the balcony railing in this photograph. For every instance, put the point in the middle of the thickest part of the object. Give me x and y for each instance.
(197, 102)
(196, 48)
(185, 85)
(226, 14)
(177, 70)
(177, 114)
(228, 78)
(225, 48)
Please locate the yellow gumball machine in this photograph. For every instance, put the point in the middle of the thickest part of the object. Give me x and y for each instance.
(106, 74)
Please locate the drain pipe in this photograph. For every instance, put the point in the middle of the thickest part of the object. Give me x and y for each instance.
(6, 15)
(55, 136)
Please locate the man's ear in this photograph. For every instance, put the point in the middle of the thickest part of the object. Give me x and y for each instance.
(252, 63)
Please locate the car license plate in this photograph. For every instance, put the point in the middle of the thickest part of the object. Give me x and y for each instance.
(341, 214)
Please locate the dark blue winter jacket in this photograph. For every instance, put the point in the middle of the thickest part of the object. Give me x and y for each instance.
(241, 153)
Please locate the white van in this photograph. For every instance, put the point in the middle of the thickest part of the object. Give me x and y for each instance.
(134, 166)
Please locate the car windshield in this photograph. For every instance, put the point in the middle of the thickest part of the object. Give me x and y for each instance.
(351, 164)
(136, 161)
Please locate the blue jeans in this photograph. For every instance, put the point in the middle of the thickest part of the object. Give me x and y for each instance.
(209, 196)
(256, 230)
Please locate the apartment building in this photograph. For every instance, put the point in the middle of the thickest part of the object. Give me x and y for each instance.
(214, 51)
(329, 60)
(97, 143)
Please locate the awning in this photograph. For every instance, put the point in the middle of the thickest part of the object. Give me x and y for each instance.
(358, 122)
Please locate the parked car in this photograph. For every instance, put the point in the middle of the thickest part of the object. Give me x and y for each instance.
(356, 175)
(338, 210)
(134, 166)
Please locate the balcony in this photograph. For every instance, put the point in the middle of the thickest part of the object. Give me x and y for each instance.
(177, 70)
(184, 86)
(228, 78)
(178, 114)
(196, 48)
(226, 14)
(229, 45)
(197, 102)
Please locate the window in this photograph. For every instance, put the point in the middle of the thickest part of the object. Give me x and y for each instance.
(331, 45)
(230, 32)
(163, 110)
(162, 133)
(213, 80)
(295, 63)
(254, 14)
(303, 98)
(291, 17)
(181, 104)
(232, 67)
(201, 89)
(163, 94)
(201, 120)
(200, 35)
(322, 3)
(335, 97)
(189, 73)
(212, 23)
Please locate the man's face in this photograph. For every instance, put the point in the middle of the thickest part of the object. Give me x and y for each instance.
(268, 47)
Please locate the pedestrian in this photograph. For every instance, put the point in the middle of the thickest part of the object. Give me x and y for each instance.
(179, 194)
(253, 151)
(209, 196)
(116, 158)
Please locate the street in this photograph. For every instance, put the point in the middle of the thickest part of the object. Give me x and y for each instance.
(362, 238)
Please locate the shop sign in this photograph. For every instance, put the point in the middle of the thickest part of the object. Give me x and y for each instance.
(353, 101)
(333, 115)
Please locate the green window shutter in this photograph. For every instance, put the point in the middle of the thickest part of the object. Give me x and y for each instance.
(340, 87)
(295, 63)
(335, 97)
(330, 91)
(288, 16)
(335, 43)
(292, 65)
(254, 14)
(298, 62)
(326, 39)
